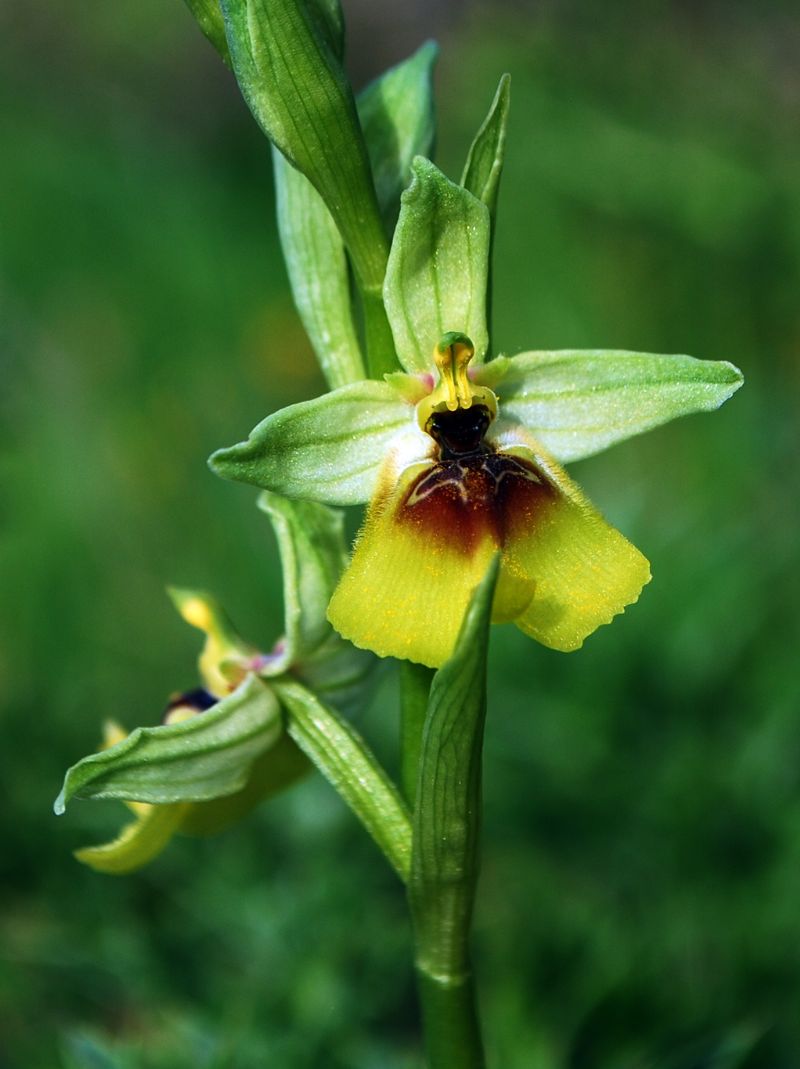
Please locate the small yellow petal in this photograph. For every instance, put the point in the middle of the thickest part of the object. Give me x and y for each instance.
(197, 612)
(113, 732)
(138, 842)
(222, 640)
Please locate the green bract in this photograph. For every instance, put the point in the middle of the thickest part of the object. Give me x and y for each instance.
(286, 58)
(396, 112)
(397, 116)
(209, 18)
(313, 556)
(444, 863)
(485, 158)
(318, 274)
(344, 759)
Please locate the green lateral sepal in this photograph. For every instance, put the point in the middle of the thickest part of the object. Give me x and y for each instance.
(204, 756)
(580, 402)
(328, 449)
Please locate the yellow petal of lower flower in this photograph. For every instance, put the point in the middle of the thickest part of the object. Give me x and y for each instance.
(138, 842)
(583, 570)
(415, 565)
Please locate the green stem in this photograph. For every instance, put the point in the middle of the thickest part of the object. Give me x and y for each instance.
(415, 687)
(450, 1020)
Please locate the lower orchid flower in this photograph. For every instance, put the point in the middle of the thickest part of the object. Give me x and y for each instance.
(460, 459)
(221, 747)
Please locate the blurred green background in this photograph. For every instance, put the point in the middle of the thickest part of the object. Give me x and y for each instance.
(640, 898)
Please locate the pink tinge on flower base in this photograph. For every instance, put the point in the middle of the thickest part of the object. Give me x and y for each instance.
(477, 487)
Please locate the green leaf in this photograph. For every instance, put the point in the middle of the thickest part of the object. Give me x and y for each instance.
(579, 402)
(329, 449)
(209, 18)
(139, 842)
(444, 861)
(485, 158)
(295, 86)
(344, 759)
(206, 756)
(398, 120)
(317, 267)
(313, 556)
(437, 274)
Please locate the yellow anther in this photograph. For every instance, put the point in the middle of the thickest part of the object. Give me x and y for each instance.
(452, 356)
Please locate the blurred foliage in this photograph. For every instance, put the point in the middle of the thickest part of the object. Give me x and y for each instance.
(639, 903)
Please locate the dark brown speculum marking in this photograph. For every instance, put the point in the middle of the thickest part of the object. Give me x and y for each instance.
(473, 491)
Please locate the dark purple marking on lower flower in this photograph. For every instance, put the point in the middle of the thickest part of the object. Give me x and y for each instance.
(198, 700)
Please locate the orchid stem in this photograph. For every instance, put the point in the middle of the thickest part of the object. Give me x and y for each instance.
(450, 1019)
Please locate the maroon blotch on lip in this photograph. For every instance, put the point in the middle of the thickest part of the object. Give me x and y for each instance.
(464, 500)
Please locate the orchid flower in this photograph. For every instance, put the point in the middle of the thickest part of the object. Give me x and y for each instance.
(221, 746)
(460, 458)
